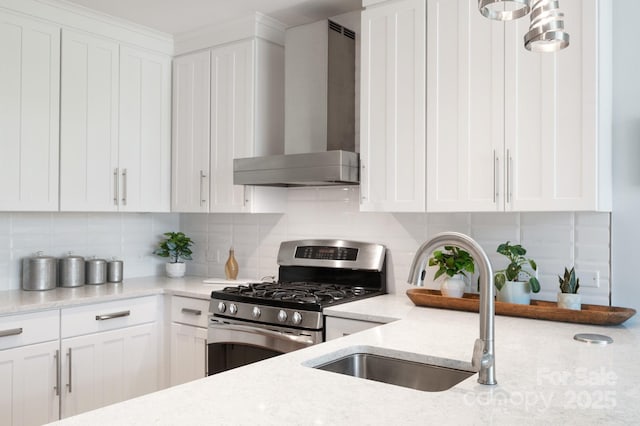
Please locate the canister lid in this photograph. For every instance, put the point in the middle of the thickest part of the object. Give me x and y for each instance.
(71, 256)
(40, 258)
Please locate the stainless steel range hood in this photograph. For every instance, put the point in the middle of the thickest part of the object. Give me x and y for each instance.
(319, 140)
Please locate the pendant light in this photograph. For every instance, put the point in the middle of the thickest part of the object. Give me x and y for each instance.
(546, 30)
(504, 10)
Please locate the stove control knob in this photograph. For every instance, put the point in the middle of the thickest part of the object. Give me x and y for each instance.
(222, 307)
(282, 316)
(233, 308)
(255, 312)
(297, 318)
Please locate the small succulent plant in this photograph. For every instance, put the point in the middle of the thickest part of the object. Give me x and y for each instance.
(569, 283)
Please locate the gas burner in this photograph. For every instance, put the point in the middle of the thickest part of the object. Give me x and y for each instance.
(301, 292)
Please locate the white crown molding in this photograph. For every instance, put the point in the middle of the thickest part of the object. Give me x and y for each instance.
(69, 15)
(256, 25)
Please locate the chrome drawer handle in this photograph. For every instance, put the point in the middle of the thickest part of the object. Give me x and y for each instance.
(113, 315)
(11, 332)
(58, 378)
(191, 311)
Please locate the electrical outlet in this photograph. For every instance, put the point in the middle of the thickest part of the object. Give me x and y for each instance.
(589, 278)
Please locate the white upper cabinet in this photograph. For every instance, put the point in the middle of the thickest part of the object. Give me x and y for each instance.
(465, 104)
(514, 130)
(558, 116)
(190, 147)
(145, 131)
(392, 146)
(29, 114)
(89, 123)
(228, 103)
(115, 127)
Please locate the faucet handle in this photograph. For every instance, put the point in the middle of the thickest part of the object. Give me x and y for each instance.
(478, 352)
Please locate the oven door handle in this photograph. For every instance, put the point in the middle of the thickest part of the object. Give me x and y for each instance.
(256, 336)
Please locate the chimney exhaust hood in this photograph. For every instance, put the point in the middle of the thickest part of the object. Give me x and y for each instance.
(319, 141)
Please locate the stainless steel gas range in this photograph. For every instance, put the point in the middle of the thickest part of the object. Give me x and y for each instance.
(261, 320)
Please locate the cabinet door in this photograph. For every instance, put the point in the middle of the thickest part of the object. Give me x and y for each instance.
(465, 112)
(89, 123)
(232, 122)
(190, 147)
(105, 368)
(28, 380)
(188, 353)
(393, 109)
(339, 327)
(29, 114)
(552, 117)
(145, 136)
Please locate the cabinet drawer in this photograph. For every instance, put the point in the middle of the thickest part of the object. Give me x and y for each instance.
(27, 329)
(108, 316)
(186, 310)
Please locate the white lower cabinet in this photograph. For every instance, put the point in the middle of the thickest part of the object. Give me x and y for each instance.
(105, 368)
(29, 368)
(188, 339)
(339, 327)
(109, 352)
(28, 394)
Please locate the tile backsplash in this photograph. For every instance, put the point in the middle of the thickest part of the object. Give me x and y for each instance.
(554, 240)
(130, 237)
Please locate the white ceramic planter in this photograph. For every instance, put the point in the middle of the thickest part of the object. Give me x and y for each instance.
(569, 301)
(175, 270)
(515, 292)
(453, 286)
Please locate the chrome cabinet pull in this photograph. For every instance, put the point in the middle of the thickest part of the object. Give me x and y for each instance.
(203, 176)
(495, 177)
(58, 378)
(124, 187)
(363, 196)
(11, 332)
(116, 189)
(113, 315)
(509, 177)
(70, 377)
(206, 359)
(191, 311)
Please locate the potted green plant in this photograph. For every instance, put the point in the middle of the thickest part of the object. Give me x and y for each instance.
(176, 246)
(455, 263)
(514, 283)
(568, 297)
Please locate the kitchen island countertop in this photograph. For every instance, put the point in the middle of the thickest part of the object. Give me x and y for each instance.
(544, 376)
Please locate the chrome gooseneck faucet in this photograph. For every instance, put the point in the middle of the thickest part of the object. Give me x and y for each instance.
(483, 359)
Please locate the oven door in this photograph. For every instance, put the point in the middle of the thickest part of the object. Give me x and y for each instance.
(232, 343)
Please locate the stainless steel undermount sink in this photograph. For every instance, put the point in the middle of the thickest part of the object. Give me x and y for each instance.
(396, 371)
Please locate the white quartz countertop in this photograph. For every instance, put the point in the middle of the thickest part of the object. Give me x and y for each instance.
(544, 376)
(16, 301)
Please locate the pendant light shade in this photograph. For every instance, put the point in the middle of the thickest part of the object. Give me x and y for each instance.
(504, 10)
(546, 30)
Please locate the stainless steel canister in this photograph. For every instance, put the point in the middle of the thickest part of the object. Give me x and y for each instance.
(114, 271)
(39, 273)
(71, 271)
(96, 271)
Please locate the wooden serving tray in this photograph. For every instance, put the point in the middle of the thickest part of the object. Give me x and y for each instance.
(538, 309)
